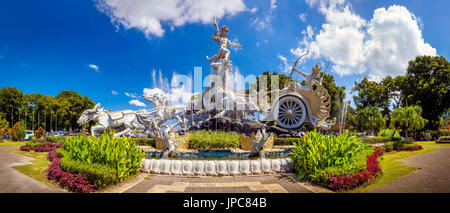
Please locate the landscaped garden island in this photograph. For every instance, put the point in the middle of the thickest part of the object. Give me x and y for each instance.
(295, 135)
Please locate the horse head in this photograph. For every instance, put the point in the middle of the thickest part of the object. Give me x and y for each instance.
(88, 115)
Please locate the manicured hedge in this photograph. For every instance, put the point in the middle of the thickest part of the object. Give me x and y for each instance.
(377, 139)
(143, 141)
(101, 175)
(104, 160)
(409, 148)
(74, 182)
(40, 147)
(55, 139)
(286, 141)
(207, 139)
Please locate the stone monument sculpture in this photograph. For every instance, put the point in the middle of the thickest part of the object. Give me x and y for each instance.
(129, 119)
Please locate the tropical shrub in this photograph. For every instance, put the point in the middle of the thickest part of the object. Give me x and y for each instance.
(347, 182)
(320, 156)
(206, 139)
(286, 141)
(408, 119)
(388, 133)
(18, 132)
(39, 133)
(85, 154)
(370, 118)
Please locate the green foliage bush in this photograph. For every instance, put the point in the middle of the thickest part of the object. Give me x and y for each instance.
(378, 139)
(207, 139)
(55, 139)
(388, 133)
(33, 143)
(18, 132)
(286, 141)
(144, 141)
(321, 156)
(122, 156)
(101, 175)
(444, 138)
(39, 133)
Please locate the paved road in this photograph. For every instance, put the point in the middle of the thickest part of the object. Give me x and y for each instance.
(433, 175)
(12, 181)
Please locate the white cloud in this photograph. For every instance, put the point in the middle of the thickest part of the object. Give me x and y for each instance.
(284, 67)
(253, 10)
(149, 15)
(378, 47)
(137, 103)
(302, 17)
(273, 4)
(95, 67)
(131, 95)
(114, 92)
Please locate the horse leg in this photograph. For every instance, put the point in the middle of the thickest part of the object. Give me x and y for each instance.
(95, 128)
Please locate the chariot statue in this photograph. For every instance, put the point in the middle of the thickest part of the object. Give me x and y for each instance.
(298, 103)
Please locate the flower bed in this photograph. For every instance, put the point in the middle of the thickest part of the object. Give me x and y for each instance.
(74, 182)
(347, 182)
(40, 147)
(103, 161)
(409, 148)
(320, 156)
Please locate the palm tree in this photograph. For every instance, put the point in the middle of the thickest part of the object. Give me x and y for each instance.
(408, 119)
(370, 118)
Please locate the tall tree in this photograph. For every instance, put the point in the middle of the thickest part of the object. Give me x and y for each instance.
(370, 118)
(11, 100)
(408, 119)
(428, 85)
(371, 93)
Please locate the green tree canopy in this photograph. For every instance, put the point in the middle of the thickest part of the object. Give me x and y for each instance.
(370, 118)
(371, 93)
(11, 100)
(428, 85)
(408, 119)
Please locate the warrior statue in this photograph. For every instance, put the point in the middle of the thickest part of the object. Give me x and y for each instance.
(222, 40)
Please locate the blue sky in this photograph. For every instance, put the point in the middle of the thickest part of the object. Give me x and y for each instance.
(108, 49)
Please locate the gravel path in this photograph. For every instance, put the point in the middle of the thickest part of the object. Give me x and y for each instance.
(433, 175)
(12, 181)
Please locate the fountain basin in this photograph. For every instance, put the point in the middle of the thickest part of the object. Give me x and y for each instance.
(216, 167)
(217, 154)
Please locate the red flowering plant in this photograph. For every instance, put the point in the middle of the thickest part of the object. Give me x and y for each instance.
(74, 182)
(347, 182)
(409, 148)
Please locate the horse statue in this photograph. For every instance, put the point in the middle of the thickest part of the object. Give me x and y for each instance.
(163, 112)
(131, 120)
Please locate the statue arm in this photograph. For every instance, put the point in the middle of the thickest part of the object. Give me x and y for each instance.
(214, 37)
(233, 45)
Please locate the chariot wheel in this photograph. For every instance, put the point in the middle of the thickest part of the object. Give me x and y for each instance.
(291, 112)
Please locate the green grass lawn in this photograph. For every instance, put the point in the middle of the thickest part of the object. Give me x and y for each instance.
(37, 169)
(432, 143)
(9, 143)
(392, 168)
